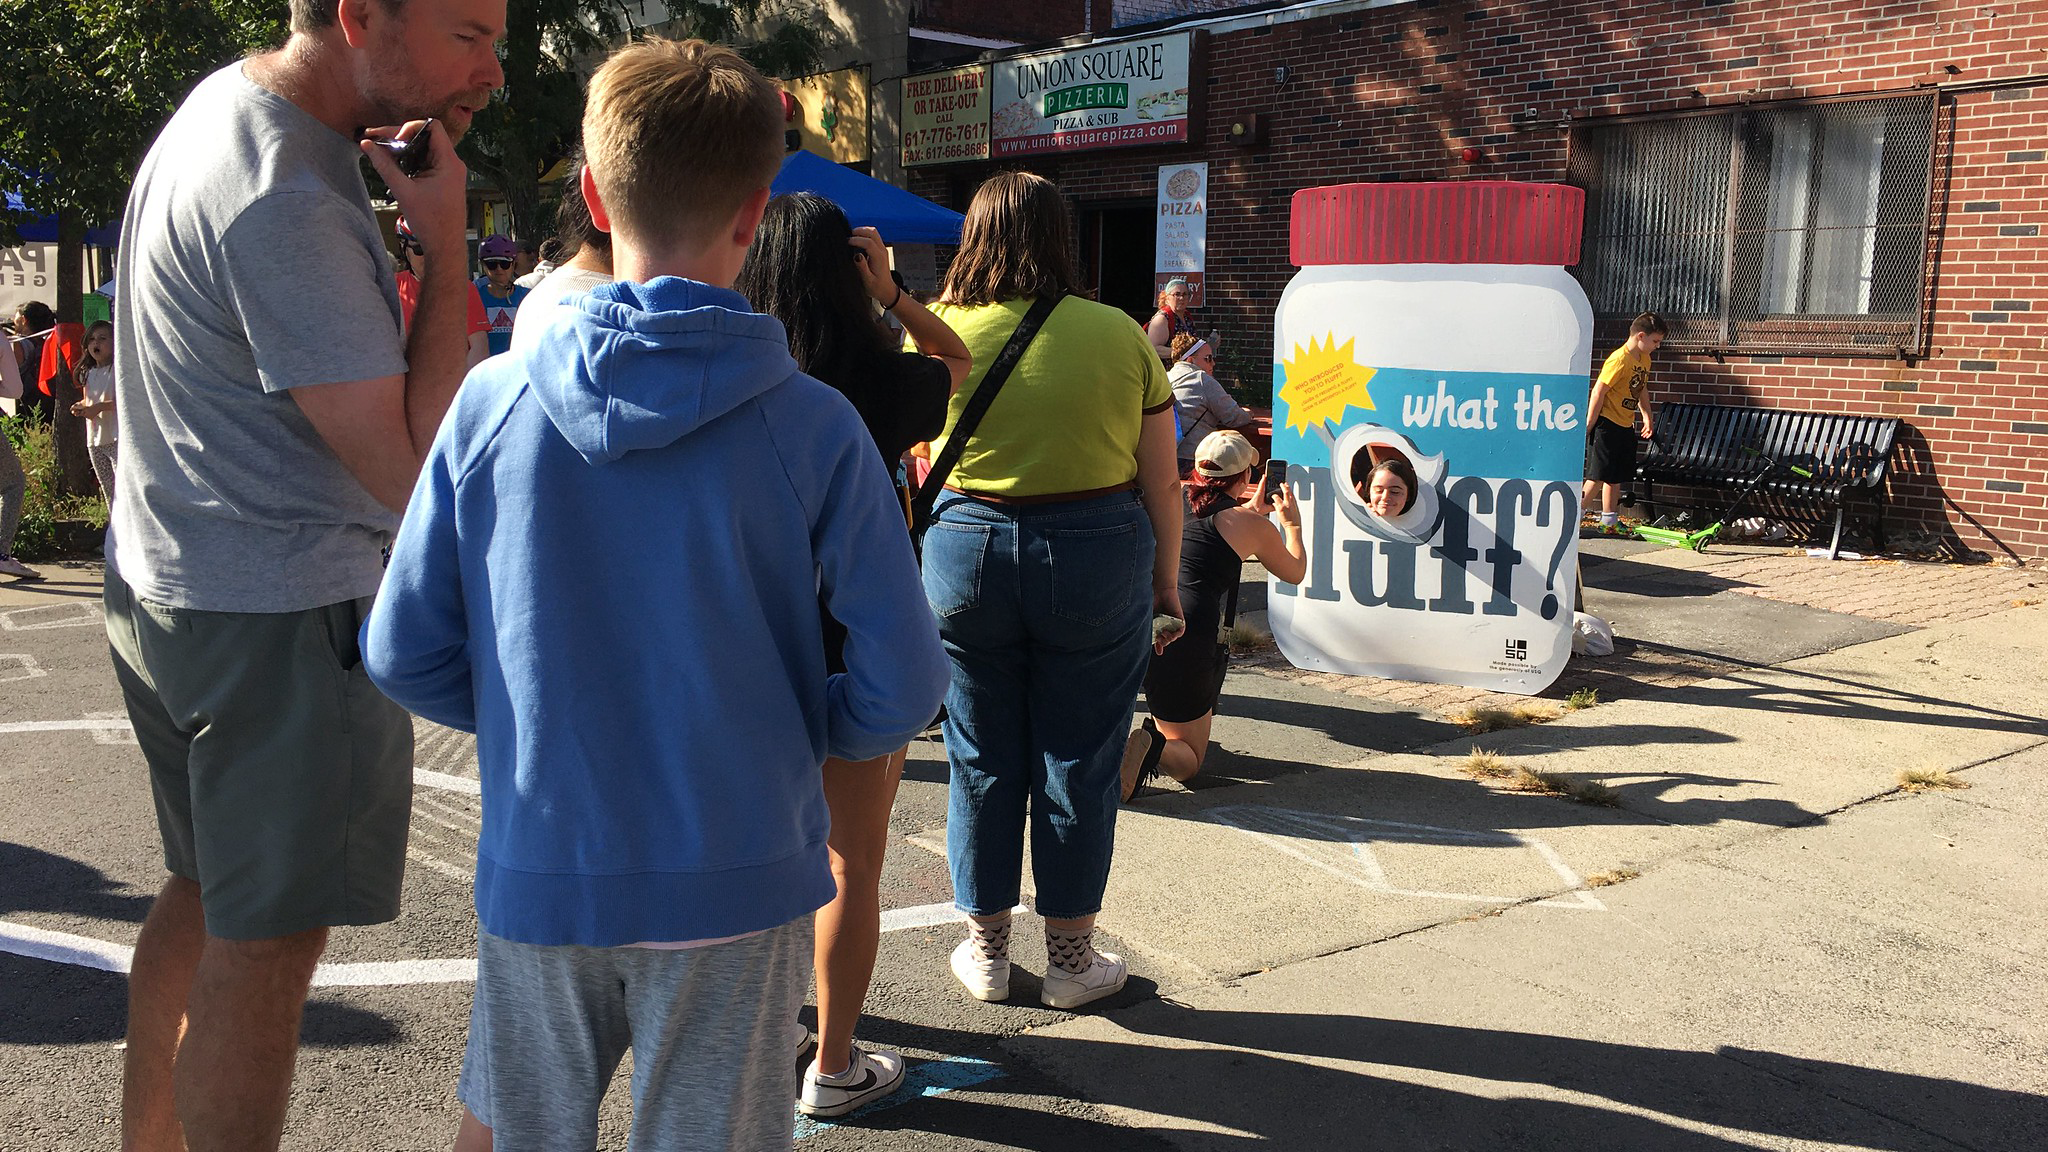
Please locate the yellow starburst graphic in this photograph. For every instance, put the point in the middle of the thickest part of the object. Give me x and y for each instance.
(1321, 381)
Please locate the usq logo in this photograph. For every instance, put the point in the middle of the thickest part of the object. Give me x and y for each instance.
(1518, 649)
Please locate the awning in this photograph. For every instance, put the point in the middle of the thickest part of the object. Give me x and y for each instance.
(43, 230)
(901, 217)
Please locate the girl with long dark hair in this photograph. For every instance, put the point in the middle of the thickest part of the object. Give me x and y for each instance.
(822, 278)
(1227, 524)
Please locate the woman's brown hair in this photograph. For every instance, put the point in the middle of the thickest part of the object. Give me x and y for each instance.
(1018, 243)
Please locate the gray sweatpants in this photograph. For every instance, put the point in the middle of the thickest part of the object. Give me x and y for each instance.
(708, 1027)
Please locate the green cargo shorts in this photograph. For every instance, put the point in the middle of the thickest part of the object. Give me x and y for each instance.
(283, 778)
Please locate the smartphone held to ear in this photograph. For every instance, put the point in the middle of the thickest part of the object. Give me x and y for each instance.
(411, 155)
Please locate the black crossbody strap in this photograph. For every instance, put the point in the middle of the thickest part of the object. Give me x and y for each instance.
(977, 407)
(1230, 611)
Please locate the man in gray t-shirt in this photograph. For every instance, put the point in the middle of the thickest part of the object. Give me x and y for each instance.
(273, 420)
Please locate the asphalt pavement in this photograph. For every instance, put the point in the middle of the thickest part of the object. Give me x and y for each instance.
(1339, 938)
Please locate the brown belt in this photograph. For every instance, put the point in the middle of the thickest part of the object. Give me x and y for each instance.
(1048, 498)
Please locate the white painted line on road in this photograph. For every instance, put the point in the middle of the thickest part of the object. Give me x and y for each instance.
(1299, 835)
(77, 614)
(24, 667)
(448, 783)
(90, 724)
(63, 947)
(386, 973)
(922, 916)
(459, 875)
(104, 956)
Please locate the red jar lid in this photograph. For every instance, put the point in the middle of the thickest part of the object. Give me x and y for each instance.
(1448, 222)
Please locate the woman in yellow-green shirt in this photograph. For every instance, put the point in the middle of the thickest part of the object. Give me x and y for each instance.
(1055, 543)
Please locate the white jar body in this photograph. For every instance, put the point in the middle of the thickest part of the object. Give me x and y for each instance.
(1477, 376)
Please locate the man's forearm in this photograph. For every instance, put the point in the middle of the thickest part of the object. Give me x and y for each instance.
(437, 352)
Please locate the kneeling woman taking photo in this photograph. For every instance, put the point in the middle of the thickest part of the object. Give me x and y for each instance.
(1220, 534)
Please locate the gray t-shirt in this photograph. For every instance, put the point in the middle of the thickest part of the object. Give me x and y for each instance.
(251, 264)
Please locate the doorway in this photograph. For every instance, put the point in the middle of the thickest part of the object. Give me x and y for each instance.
(1117, 255)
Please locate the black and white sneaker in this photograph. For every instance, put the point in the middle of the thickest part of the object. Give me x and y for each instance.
(871, 1076)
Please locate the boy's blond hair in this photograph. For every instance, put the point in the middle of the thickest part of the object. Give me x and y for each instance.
(678, 133)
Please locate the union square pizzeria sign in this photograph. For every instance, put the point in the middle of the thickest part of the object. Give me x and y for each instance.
(1102, 96)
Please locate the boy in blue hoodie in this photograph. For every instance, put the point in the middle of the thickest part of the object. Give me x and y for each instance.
(610, 571)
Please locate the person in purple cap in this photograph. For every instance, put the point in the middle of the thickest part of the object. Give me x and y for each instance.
(500, 295)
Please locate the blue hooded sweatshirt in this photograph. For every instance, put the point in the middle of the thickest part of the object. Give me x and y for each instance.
(611, 572)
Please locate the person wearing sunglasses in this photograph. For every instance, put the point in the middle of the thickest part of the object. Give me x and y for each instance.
(412, 265)
(501, 295)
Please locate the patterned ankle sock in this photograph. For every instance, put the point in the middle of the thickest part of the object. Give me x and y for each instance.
(991, 937)
(1608, 518)
(1070, 952)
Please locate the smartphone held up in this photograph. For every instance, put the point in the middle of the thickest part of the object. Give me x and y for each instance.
(410, 155)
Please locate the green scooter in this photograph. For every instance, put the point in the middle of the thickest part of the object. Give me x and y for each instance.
(1698, 540)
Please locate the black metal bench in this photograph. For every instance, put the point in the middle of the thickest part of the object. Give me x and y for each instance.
(1718, 447)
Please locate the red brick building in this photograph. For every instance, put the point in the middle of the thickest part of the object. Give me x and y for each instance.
(1840, 204)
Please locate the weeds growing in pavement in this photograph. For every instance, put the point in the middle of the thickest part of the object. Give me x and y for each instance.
(1930, 779)
(1481, 719)
(1559, 784)
(1583, 698)
(1603, 879)
(1243, 639)
(1484, 765)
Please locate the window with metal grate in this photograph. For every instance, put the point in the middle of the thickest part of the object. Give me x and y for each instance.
(1789, 227)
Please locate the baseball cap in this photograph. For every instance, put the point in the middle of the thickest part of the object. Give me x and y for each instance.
(1225, 453)
(498, 247)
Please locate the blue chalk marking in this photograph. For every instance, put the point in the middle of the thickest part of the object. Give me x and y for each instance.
(927, 1078)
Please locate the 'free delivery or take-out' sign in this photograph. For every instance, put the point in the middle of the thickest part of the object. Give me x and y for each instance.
(945, 116)
(1114, 95)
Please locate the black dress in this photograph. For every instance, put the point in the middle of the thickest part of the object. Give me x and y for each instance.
(1182, 684)
(902, 400)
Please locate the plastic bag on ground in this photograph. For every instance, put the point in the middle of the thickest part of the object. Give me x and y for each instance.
(1591, 636)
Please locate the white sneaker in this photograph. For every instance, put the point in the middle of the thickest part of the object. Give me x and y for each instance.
(1065, 989)
(871, 1076)
(9, 566)
(801, 1037)
(983, 979)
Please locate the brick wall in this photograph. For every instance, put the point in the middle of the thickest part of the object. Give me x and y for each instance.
(1398, 93)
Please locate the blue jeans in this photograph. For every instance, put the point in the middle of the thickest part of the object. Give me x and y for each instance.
(1046, 611)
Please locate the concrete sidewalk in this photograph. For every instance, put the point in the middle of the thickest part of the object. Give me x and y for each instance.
(1776, 949)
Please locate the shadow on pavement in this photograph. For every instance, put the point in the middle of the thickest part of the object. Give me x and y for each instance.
(1825, 697)
(48, 1003)
(1251, 1094)
(1617, 575)
(32, 880)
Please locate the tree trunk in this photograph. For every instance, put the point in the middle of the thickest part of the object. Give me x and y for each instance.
(74, 464)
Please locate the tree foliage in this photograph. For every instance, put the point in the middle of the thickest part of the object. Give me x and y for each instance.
(88, 84)
(534, 122)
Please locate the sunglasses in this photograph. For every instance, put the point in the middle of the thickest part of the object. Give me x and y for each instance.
(497, 263)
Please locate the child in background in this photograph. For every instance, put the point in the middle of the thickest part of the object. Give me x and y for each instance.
(96, 382)
(651, 719)
(1620, 395)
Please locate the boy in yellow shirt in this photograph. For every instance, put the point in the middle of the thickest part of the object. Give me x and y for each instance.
(1619, 395)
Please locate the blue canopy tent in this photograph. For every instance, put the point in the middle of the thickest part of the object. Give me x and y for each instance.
(43, 229)
(901, 217)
